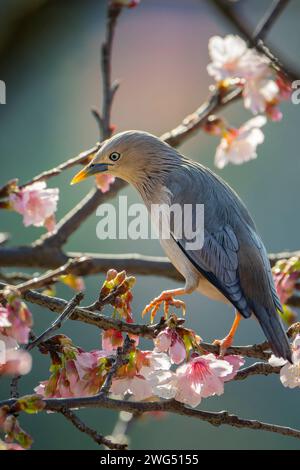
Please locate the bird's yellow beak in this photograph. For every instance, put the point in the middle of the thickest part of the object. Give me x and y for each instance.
(89, 170)
(80, 176)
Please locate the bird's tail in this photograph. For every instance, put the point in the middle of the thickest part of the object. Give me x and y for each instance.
(274, 331)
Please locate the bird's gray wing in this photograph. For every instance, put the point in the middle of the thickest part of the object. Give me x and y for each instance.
(217, 261)
(267, 268)
(233, 257)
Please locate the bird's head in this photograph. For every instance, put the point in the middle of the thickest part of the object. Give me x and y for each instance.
(131, 156)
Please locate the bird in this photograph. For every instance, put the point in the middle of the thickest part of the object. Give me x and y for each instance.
(232, 265)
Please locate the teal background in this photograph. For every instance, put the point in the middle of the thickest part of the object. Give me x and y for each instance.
(49, 59)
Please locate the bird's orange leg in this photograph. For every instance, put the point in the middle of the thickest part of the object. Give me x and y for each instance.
(227, 341)
(166, 297)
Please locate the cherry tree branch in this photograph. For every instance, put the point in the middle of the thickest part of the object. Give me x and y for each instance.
(171, 406)
(109, 89)
(83, 264)
(193, 122)
(84, 315)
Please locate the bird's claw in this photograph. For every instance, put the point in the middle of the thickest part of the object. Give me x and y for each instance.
(223, 344)
(168, 301)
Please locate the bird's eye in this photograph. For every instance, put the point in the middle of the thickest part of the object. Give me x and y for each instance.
(114, 156)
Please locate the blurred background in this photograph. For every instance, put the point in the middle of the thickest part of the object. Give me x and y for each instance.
(49, 59)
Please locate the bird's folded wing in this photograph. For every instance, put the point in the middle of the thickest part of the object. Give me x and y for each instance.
(266, 264)
(217, 261)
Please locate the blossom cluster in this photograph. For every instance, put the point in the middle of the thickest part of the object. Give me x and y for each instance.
(233, 63)
(15, 437)
(15, 325)
(36, 203)
(286, 274)
(144, 375)
(289, 373)
(74, 372)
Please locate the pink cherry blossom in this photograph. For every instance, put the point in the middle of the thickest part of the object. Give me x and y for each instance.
(36, 203)
(12, 359)
(4, 323)
(226, 54)
(259, 92)
(82, 376)
(169, 341)
(203, 376)
(104, 182)
(239, 145)
(19, 320)
(263, 89)
(153, 361)
(285, 284)
(289, 373)
(273, 112)
(236, 362)
(137, 381)
(138, 387)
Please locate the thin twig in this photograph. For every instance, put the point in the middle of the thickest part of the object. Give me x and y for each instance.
(119, 361)
(258, 368)
(108, 90)
(269, 19)
(10, 278)
(82, 159)
(49, 277)
(198, 118)
(73, 219)
(38, 341)
(64, 316)
(98, 438)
